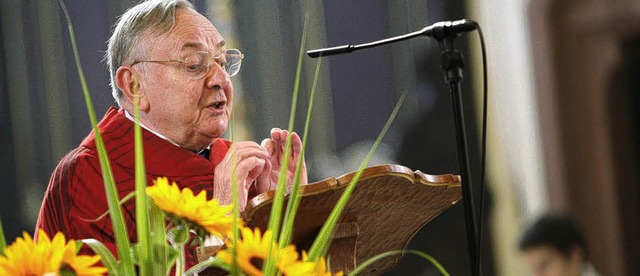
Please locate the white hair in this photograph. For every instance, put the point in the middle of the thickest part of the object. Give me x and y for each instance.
(148, 17)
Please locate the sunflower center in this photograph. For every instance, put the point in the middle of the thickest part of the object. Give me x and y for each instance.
(257, 262)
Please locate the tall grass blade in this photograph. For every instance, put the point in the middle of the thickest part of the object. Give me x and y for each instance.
(275, 218)
(106, 257)
(375, 258)
(145, 260)
(236, 207)
(276, 210)
(119, 227)
(294, 196)
(323, 240)
(162, 258)
(236, 215)
(3, 239)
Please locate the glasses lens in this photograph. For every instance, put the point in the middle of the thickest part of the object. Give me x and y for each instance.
(233, 61)
(196, 64)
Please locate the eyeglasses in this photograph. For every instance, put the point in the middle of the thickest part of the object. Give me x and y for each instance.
(197, 64)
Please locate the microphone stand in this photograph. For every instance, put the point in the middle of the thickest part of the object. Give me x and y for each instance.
(452, 64)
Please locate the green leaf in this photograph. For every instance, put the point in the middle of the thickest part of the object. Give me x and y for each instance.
(375, 258)
(179, 235)
(323, 240)
(145, 261)
(170, 257)
(236, 211)
(122, 201)
(294, 196)
(119, 227)
(106, 256)
(162, 259)
(275, 218)
(3, 239)
(79, 245)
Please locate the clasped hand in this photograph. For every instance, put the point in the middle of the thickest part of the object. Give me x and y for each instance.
(257, 165)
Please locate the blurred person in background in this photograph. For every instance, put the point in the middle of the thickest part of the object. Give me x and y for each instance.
(553, 245)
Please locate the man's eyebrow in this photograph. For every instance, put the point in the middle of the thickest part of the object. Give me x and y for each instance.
(198, 45)
(192, 45)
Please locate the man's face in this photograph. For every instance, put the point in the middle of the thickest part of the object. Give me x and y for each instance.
(191, 112)
(547, 261)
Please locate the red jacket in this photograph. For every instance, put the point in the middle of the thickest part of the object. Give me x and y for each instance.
(75, 196)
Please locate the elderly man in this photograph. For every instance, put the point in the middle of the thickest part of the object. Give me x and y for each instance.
(179, 64)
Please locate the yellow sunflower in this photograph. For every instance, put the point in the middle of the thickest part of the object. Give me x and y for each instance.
(26, 257)
(305, 267)
(322, 269)
(252, 251)
(288, 258)
(299, 268)
(195, 210)
(81, 264)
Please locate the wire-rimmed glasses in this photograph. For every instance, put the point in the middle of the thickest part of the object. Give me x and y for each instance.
(197, 64)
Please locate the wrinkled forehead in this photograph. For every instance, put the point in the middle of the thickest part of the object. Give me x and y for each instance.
(191, 32)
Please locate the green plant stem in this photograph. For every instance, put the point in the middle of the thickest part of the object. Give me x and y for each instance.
(107, 257)
(3, 239)
(373, 259)
(275, 218)
(294, 197)
(180, 260)
(117, 219)
(162, 257)
(323, 240)
(145, 262)
(236, 207)
(236, 215)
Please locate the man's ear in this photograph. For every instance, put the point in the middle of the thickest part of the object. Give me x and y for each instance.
(128, 80)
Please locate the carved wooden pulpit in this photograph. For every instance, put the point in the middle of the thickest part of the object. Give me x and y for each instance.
(388, 206)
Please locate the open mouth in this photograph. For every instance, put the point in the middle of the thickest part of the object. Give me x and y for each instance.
(218, 107)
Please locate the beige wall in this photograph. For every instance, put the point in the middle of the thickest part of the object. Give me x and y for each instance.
(514, 166)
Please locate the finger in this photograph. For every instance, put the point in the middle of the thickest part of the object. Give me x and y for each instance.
(251, 168)
(279, 135)
(245, 145)
(273, 148)
(276, 144)
(269, 145)
(263, 182)
(275, 133)
(247, 150)
(296, 143)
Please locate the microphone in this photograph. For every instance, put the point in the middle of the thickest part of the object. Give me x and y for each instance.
(443, 29)
(439, 31)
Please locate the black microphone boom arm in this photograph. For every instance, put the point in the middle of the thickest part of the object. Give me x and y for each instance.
(438, 31)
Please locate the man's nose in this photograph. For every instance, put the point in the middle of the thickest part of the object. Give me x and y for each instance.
(217, 76)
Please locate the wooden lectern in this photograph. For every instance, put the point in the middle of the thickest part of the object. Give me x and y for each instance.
(388, 206)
